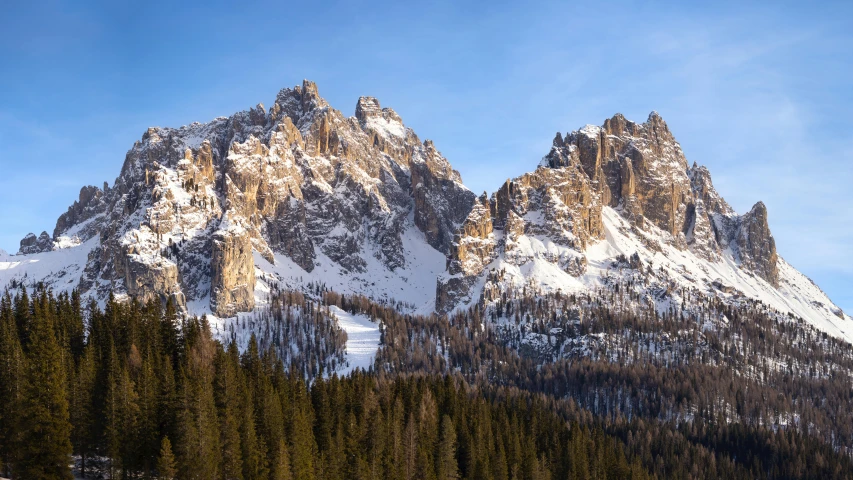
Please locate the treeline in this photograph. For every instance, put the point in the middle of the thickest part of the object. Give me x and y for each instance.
(136, 391)
(683, 400)
(132, 391)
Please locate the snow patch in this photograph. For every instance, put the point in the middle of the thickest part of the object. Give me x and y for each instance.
(362, 340)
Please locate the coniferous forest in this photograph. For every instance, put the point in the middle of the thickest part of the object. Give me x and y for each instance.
(138, 391)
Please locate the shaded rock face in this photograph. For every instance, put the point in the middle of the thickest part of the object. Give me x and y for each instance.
(298, 180)
(755, 245)
(89, 205)
(32, 244)
(474, 244)
(441, 203)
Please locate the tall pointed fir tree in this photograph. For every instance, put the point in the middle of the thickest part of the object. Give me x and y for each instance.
(448, 468)
(44, 451)
(166, 469)
(11, 380)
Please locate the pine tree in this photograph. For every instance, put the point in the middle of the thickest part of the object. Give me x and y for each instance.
(253, 449)
(80, 404)
(166, 469)
(281, 464)
(448, 469)
(44, 449)
(227, 404)
(304, 448)
(11, 379)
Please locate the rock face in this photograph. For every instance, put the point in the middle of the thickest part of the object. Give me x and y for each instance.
(89, 205)
(299, 180)
(553, 214)
(201, 213)
(32, 244)
(233, 273)
(638, 167)
(212, 216)
(549, 206)
(755, 244)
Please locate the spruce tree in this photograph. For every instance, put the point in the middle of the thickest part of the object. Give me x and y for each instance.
(44, 449)
(11, 380)
(281, 464)
(448, 469)
(166, 469)
(227, 405)
(80, 403)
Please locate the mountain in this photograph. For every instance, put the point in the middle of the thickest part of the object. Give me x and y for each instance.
(620, 204)
(215, 216)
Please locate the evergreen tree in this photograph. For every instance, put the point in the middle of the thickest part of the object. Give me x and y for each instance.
(166, 469)
(11, 380)
(448, 468)
(44, 448)
(281, 464)
(228, 407)
(81, 406)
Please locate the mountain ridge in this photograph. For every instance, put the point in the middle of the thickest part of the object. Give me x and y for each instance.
(215, 215)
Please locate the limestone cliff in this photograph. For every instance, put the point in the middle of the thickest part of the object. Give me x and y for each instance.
(300, 181)
(551, 216)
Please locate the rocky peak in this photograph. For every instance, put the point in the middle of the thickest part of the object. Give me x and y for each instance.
(310, 96)
(367, 107)
(756, 246)
(32, 244)
(89, 204)
(639, 168)
(300, 183)
(636, 169)
(297, 103)
(703, 189)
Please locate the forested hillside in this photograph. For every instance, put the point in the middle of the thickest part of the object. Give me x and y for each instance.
(132, 391)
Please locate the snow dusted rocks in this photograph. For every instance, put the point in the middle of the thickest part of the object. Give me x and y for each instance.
(755, 244)
(618, 203)
(195, 208)
(551, 215)
(32, 244)
(89, 204)
(213, 216)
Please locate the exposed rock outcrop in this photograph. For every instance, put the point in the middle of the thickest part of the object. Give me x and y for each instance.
(232, 285)
(88, 205)
(474, 244)
(32, 244)
(637, 169)
(756, 246)
(549, 205)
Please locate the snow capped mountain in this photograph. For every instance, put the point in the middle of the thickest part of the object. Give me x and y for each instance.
(618, 204)
(215, 216)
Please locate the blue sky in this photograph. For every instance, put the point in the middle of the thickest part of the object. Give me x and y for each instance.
(759, 93)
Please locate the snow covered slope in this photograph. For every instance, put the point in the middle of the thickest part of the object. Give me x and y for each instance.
(412, 286)
(362, 340)
(58, 269)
